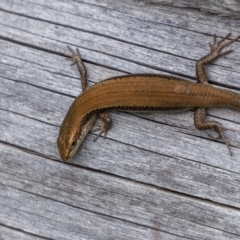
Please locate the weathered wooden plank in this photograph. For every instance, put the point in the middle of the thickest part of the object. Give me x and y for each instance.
(51, 107)
(54, 199)
(230, 8)
(172, 50)
(135, 159)
(157, 179)
(11, 233)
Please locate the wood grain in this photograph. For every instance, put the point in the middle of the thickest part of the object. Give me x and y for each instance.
(228, 8)
(155, 176)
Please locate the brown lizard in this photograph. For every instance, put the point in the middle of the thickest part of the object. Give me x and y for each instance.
(144, 92)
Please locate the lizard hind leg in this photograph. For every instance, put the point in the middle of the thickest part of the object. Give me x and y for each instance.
(215, 52)
(201, 124)
(217, 46)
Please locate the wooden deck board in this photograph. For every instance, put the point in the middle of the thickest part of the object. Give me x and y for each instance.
(155, 176)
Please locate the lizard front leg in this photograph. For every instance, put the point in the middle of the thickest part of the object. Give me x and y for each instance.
(75, 58)
(103, 128)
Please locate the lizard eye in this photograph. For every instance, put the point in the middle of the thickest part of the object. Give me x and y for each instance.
(74, 143)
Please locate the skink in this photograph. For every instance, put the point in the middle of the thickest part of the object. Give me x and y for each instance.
(143, 92)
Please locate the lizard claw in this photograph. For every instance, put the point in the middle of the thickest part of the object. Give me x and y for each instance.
(104, 127)
(75, 57)
(218, 129)
(217, 46)
(101, 130)
(215, 138)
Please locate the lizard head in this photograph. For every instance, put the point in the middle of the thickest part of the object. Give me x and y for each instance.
(68, 143)
(71, 136)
